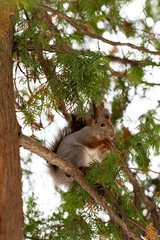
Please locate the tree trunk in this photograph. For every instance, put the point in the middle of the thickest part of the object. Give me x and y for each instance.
(11, 217)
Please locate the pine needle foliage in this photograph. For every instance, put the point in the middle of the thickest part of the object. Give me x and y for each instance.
(82, 77)
(67, 54)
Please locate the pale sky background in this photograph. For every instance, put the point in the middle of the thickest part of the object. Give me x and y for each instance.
(48, 198)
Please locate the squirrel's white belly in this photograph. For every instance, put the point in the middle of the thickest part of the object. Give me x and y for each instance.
(92, 154)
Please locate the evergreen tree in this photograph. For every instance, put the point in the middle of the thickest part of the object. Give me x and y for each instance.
(60, 64)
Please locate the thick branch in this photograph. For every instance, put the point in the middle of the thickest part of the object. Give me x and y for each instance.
(81, 29)
(77, 175)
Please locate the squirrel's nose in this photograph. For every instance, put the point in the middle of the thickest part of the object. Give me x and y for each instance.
(111, 130)
(111, 134)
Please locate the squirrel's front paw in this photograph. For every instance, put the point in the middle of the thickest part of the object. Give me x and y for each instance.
(109, 145)
(84, 169)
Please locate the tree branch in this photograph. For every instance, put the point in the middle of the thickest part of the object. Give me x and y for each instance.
(47, 19)
(77, 175)
(139, 194)
(150, 84)
(81, 29)
(128, 218)
(125, 61)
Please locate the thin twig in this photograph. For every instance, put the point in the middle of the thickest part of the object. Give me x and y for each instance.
(145, 170)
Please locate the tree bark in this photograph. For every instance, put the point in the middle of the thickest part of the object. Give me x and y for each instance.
(11, 216)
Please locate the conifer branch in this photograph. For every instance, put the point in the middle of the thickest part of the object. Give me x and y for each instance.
(83, 30)
(77, 175)
(66, 48)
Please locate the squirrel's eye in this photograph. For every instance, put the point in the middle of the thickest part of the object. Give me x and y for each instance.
(102, 125)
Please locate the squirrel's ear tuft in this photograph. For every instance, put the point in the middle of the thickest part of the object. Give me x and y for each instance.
(107, 114)
(100, 111)
(95, 111)
(104, 112)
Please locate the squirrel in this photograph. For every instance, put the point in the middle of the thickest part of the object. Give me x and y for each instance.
(84, 140)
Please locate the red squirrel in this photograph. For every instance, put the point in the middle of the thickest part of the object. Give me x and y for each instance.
(83, 141)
